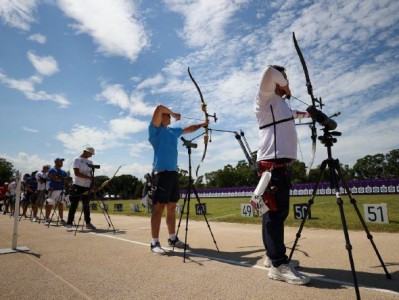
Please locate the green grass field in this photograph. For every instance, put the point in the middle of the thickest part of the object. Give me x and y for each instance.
(324, 212)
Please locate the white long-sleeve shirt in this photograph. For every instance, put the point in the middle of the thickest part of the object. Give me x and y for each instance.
(279, 140)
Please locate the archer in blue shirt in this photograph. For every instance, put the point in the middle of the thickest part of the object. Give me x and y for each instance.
(166, 180)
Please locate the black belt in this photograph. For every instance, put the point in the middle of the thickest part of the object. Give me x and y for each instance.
(277, 122)
(164, 171)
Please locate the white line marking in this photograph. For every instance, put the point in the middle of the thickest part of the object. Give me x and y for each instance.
(250, 266)
(221, 217)
(83, 294)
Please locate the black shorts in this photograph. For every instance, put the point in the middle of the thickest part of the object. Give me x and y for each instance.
(167, 187)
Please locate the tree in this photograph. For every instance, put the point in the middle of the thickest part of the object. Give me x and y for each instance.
(98, 180)
(370, 167)
(6, 170)
(298, 172)
(183, 178)
(392, 164)
(245, 174)
(138, 189)
(378, 166)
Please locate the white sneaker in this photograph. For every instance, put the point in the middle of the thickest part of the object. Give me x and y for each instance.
(69, 227)
(34, 219)
(286, 273)
(157, 249)
(293, 263)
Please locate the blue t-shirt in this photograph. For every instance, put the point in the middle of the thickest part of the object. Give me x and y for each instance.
(56, 185)
(32, 182)
(164, 142)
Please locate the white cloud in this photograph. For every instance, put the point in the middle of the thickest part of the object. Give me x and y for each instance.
(27, 86)
(18, 13)
(39, 38)
(30, 129)
(114, 25)
(81, 136)
(138, 106)
(115, 94)
(26, 163)
(137, 149)
(125, 126)
(205, 20)
(45, 65)
(151, 82)
(135, 169)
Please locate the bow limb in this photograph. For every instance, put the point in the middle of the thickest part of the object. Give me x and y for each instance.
(204, 109)
(117, 170)
(313, 155)
(315, 101)
(104, 184)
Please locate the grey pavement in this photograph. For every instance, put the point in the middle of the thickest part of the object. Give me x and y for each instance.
(103, 264)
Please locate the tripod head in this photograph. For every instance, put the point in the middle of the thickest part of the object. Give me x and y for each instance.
(328, 138)
(188, 144)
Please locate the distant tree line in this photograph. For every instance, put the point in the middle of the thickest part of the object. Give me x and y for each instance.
(379, 166)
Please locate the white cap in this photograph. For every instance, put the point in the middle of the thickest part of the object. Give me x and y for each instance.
(89, 149)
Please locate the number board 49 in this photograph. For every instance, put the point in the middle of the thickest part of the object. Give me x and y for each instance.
(247, 210)
(376, 213)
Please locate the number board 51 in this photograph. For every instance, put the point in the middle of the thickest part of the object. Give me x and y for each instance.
(376, 213)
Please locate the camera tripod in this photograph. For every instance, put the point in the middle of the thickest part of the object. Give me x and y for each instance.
(187, 198)
(335, 176)
(42, 199)
(57, 204)
(101, 205)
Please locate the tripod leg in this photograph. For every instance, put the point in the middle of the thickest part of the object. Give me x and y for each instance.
(181, 215)
(80, 218)
(54, 209)
(106, 215)
(334, 167)
(206, 219)
(310, 203)
(369, 236)
(41, 215)
(348, 244)
(187, 216)
(30, 210)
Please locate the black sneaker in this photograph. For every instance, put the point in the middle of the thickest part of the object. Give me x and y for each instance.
(176, 243)
(90, 226)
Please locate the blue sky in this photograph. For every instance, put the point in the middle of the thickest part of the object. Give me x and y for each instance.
(79, 73)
